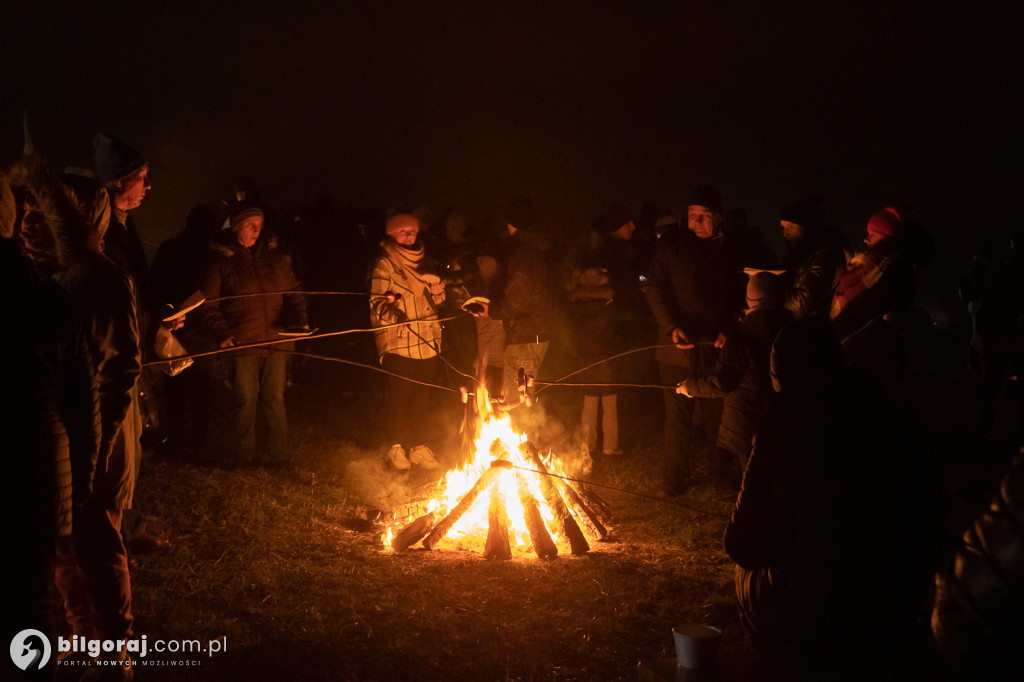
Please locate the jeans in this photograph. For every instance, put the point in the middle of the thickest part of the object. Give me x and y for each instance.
(258, 381)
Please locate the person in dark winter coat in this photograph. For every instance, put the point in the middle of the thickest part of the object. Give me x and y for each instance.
(741, 375)
(605, 308)
(836, 530)
(124, 173)
(244, 263)
(978, 616)
(695, 289)
(50, 418)
(814, 255)
(527, 303)
(175, 276)
(92, 566)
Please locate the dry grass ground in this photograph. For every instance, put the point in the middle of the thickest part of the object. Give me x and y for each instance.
(272, 563)
(279, 564)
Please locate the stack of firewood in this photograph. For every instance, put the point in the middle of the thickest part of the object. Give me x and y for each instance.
(571, 503)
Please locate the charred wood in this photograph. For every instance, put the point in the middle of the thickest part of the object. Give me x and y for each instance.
(585, 514)
(566, 523)
(413, 533)
(592, 501)
(543, 545)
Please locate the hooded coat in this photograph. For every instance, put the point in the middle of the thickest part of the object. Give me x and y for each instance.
(978, 616)
(51, 415)
(95, 311)
(233, 270)
(741, 376)
(839, 516)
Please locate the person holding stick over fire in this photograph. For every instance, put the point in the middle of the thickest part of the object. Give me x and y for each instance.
(245, 260)
(405, 291)
(695, 288)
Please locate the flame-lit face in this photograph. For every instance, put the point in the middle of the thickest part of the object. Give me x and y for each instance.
(248, 231)
(625, 232)
(129, 192)
(792, 232)
(702, 221)
(873, 238)
(406, 235)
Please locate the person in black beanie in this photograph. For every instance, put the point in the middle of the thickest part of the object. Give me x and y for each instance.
(124, 173)
(245, 260)
(814, 254)
(695, 288)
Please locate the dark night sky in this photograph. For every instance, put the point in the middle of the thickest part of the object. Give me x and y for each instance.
(576, 104)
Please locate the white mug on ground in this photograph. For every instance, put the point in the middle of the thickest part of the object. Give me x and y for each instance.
(696, 645)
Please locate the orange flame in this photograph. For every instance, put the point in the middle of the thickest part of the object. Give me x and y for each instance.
(495, 439)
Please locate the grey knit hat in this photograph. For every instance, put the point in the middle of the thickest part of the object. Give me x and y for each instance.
(240, 210)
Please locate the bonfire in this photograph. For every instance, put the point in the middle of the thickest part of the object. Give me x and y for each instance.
(508, 500)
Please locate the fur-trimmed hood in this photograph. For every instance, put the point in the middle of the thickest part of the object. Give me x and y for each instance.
(31, 177)
(226, 243)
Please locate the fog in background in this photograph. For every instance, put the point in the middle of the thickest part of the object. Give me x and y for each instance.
(578, 105)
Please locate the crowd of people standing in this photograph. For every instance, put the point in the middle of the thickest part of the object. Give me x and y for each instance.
(773, 373)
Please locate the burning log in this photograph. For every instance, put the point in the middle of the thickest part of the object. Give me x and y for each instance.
(445, 525)
(577, 542)
(582, 511)
(592, 501)
(497, 545)
(543, 545)
(413, 533)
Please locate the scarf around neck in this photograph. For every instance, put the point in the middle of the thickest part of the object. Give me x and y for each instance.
(410, 261)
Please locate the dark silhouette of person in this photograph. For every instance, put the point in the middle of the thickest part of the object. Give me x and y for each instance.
(998, 324)
(741, 375)
(695, 290)
(174, 276)
(837, 527)
(814, 254)
(978, 616)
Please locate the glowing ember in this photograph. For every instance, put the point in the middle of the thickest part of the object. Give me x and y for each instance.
(503, 492)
